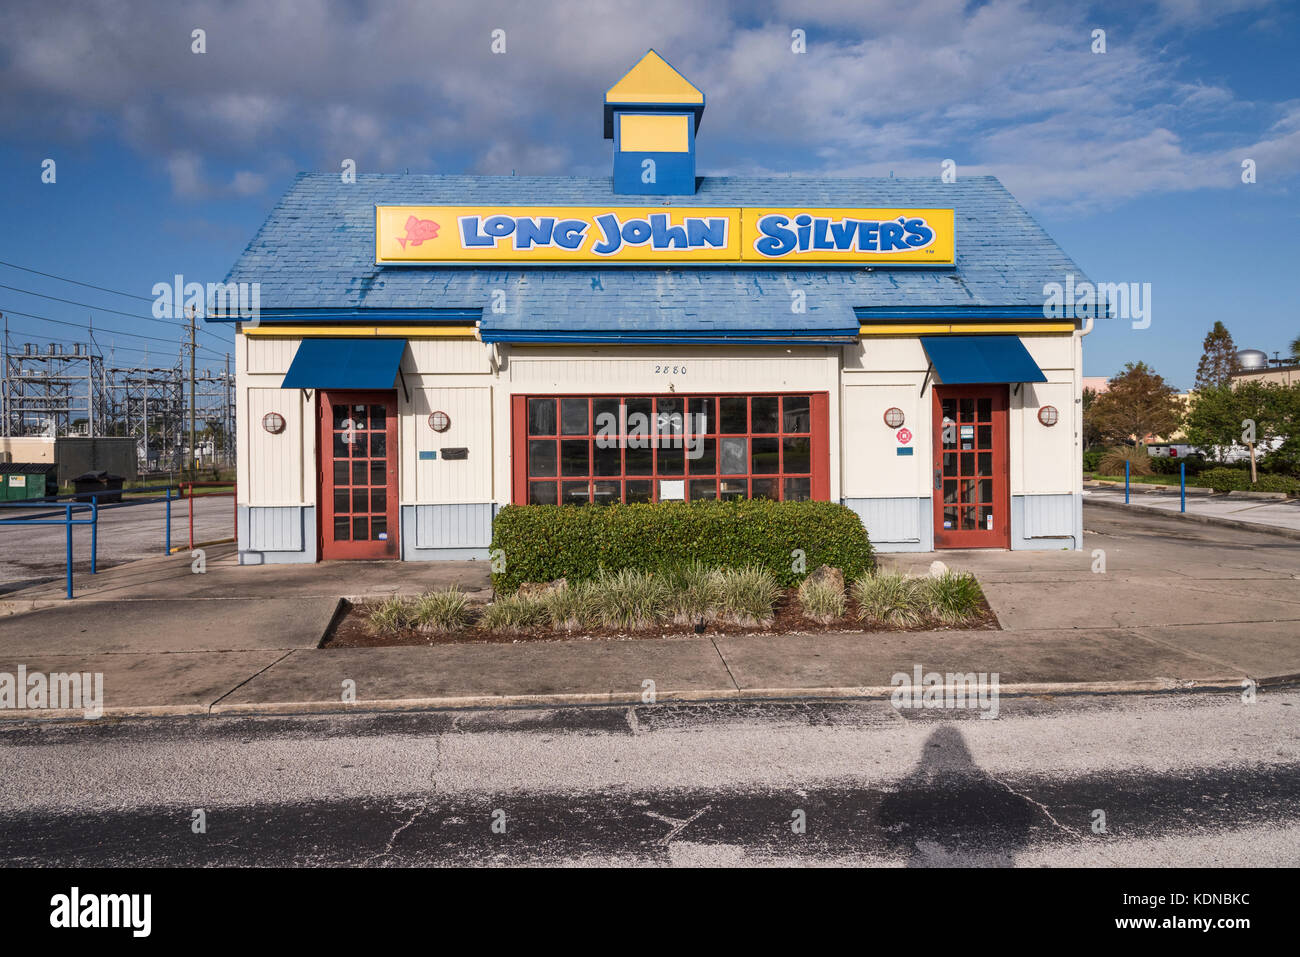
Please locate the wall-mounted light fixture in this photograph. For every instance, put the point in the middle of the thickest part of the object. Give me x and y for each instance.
(439, 421)
(1048, 415)
(273, 422)
(894, 417)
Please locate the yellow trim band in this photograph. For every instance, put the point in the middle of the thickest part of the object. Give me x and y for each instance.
(938, 328)
(409, 332)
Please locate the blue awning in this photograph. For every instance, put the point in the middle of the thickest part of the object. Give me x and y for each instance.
(965, 360)
(330, 363)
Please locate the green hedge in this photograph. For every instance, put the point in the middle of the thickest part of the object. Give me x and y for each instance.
(1238, 480)
(543, 542)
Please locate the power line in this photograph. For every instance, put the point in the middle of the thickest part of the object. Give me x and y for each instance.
(86, 305)
(75, 282)
(78, 325)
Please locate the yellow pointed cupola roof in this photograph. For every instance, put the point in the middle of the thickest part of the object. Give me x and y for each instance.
(652, 83)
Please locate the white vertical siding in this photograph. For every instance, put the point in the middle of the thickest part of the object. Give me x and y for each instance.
(442, 481)
(274, 467)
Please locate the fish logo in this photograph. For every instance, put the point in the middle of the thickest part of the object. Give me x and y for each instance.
(417, 231)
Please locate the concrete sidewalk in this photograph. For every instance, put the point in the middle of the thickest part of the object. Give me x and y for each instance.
(1177, 605)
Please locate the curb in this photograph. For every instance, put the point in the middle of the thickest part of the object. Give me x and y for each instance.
(1231, 683)
(1291, 533)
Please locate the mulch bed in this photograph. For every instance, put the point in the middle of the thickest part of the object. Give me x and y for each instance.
(352, 629)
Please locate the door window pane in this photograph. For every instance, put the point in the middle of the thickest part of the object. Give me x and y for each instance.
(378, 444)
(985, 436)
(378, 528)
(541, 493)
(341, 501)
(765, 488)
(638, 490)
(985, 408)
(360, 529)
(605, 492)
(378, 417)
(339, 414)
(359, 470)
(360, 497)
(967, 407)
(379, 500)
(340, 473)
(342, 528)
(378, 472)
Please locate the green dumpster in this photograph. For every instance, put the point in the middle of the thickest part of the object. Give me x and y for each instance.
(27, 480)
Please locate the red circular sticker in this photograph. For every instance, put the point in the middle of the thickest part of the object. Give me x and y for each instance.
(904, 436)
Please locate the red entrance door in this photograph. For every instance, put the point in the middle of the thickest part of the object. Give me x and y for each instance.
(358, 479)
(971, 501)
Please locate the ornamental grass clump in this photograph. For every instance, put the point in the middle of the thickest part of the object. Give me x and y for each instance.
(391, 615)
(514, 613)
(696, 592)
(821, 599)
(441, 611)
(571, 606)
(747, 595)
(953, 597)
(888, 598)
(630, 599)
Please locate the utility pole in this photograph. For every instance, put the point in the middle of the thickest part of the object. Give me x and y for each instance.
(4, 377)
(194, 450)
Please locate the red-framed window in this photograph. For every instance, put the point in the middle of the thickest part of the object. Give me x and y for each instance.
(574, 449)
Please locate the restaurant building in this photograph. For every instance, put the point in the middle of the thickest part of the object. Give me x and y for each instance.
(430, 348)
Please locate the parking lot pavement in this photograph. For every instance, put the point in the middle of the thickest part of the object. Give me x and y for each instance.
(33, 554)
(1274, 513)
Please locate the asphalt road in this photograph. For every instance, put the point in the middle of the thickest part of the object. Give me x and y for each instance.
(1199, 780)
(34, 554)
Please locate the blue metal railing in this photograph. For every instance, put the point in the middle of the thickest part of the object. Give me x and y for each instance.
(44, 518)
(61, 514)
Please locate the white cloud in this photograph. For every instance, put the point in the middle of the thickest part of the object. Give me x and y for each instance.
(1005, 86)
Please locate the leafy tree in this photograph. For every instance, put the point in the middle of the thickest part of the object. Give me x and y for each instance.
(1219, 416)
(1091, 437)
(1218, 358)
(1295, 349)
(1138, 403)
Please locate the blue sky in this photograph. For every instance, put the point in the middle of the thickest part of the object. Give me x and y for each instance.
(168, 161)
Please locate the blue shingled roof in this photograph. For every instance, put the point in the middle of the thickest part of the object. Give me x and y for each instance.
(317, 250)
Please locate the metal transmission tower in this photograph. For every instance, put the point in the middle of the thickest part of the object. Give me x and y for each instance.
(56, 390)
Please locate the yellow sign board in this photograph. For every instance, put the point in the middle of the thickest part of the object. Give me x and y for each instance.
(646, 235)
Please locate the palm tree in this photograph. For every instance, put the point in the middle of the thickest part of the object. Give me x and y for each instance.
(1295, 348)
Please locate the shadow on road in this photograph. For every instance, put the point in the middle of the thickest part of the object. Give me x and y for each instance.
(949, 813)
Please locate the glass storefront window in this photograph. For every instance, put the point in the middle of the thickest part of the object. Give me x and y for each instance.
(644, 448)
